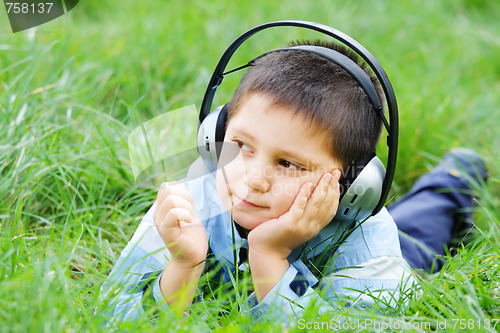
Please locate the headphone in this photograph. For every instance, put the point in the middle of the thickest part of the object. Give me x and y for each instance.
(365, 191)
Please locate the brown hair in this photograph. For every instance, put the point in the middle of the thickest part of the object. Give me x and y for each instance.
(322, 92)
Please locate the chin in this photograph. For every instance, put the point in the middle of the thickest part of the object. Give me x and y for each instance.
(246, 222)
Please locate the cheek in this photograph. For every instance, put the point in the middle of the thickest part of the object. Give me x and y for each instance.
(230, 152)
(285, 192)
(223, 190)
(287, 189)
(230, 176)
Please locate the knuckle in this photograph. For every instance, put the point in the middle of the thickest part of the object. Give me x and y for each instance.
(163, 191)
(169, 201)
(300, 208)
(174, 213)
(316, 204)
(164, 187)
(171, 212)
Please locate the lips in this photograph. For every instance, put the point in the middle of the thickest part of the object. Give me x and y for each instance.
(248, 203)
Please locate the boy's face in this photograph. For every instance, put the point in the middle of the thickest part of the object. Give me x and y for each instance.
(278, 153)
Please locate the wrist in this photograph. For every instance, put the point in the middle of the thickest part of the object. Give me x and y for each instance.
(267, 269)
(185, 267)
(266, 258)
(265, 249)
(178, 283)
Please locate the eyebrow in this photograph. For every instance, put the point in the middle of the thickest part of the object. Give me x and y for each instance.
(302, 159)
(244, 132)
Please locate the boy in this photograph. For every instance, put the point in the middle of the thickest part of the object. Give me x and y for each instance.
(295, 129)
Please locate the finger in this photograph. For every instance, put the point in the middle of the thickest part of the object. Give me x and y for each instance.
(300, 202)
(177, 215)
(166, 200)
(330, 184)
(318, 195)
(170, 228)
(169, 203)
(323, 203)
(180, 190)
(331, 198)
(333, 185)
(175, 201)
(333, 194)
(335, 182)
(172, 184)
(336, 174)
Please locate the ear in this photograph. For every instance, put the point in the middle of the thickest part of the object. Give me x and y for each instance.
(363, 194)
(210, 136)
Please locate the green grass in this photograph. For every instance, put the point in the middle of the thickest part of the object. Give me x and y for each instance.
(72, 90)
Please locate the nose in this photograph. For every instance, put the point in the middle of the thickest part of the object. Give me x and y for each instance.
(257, 178)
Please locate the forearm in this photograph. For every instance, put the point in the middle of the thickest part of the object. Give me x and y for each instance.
(178, 284)
(267, 270)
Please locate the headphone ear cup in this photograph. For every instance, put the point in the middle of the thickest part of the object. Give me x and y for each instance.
(211, 135)
(362, 196)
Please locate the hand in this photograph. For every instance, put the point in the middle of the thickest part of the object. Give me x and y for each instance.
(312, 209)
(179, 227)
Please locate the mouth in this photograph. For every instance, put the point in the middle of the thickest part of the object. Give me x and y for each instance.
(246, 203)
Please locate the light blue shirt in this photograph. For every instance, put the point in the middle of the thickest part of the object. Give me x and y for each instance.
(366, 268)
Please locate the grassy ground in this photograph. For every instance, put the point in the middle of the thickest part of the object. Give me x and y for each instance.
(72, 91)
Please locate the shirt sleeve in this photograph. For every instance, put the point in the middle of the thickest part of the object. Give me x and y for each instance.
(375, 282)
(131, 291)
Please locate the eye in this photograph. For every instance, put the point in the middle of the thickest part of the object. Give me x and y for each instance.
(291, 166)
(242, 146)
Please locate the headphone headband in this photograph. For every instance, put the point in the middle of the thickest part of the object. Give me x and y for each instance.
(392, 127)
(343, 61)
